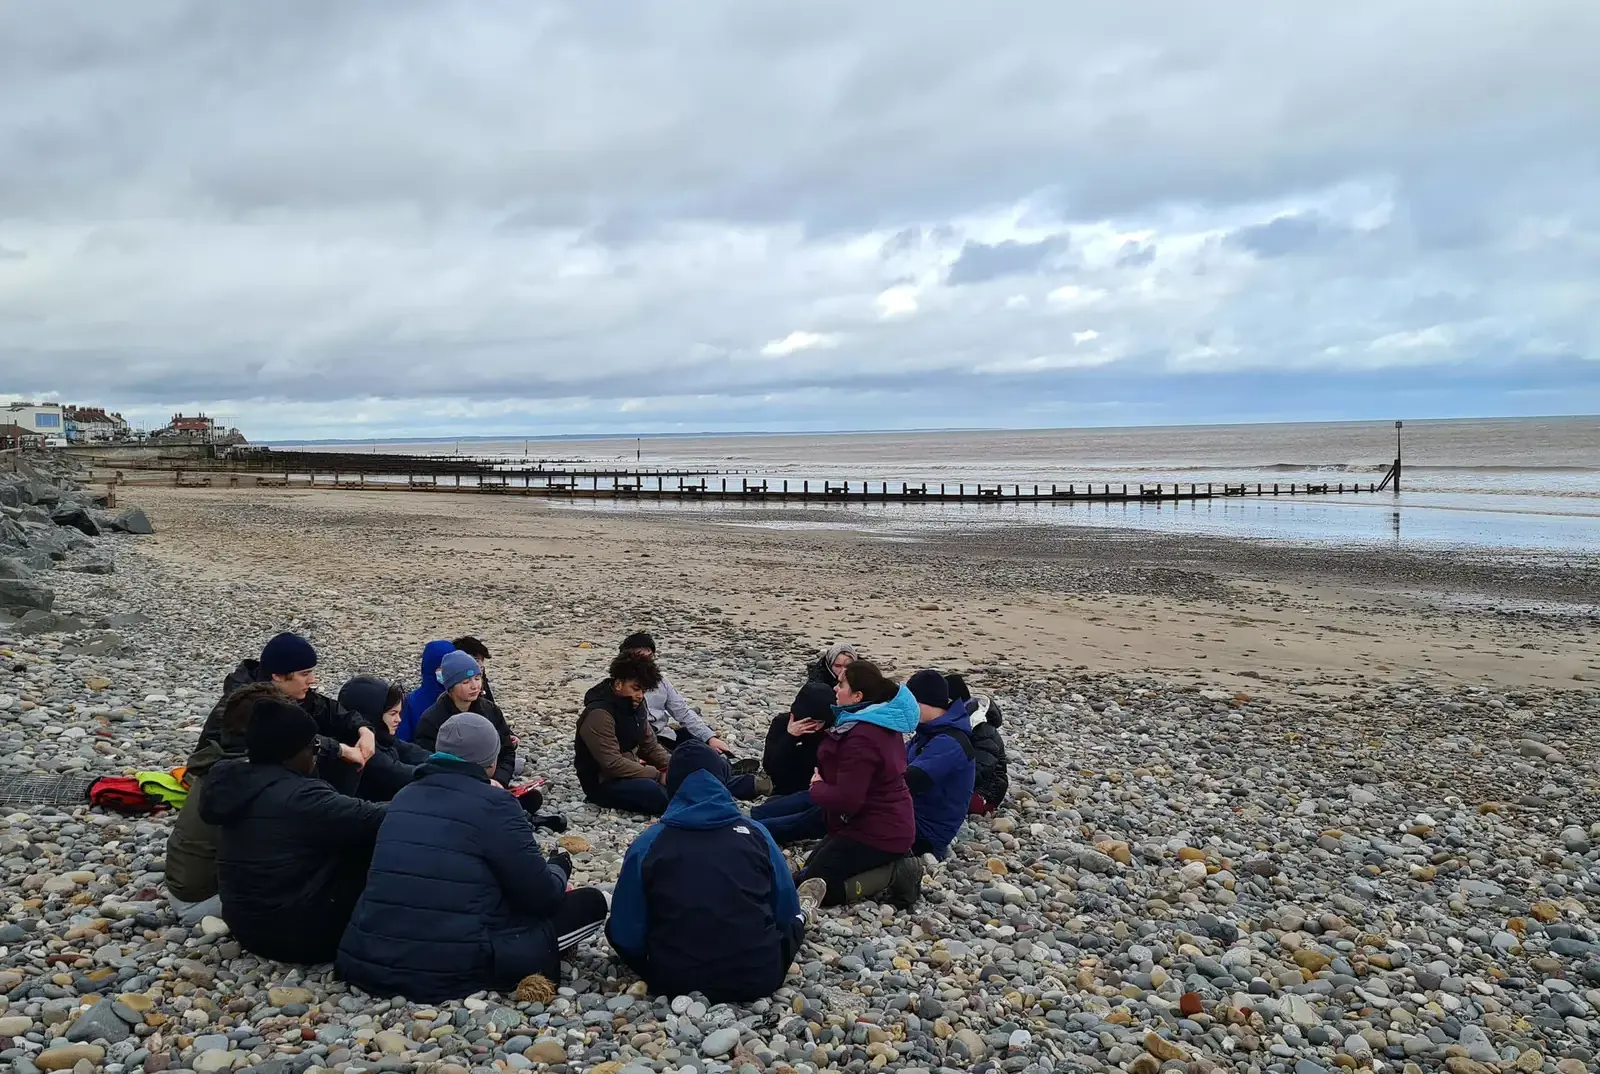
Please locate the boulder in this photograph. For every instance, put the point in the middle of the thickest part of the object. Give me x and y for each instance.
(24, 594)
(95, 564)
(77, 517)
(39, 622)
(133, 520)
(11, 567)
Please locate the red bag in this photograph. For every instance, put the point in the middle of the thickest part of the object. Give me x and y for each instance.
(122, 794)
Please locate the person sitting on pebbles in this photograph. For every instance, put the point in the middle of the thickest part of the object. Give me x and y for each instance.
(989, 748)
(860, 786)
(345, 741)
(459, 898)
(479, 652)
(665, 705)
(791, 759)
(620, 764)
(292, 852)
(191, 865)
(462, 680)
(939, 764)
(393, 762)
(705, 902)
(427, 691)
(827, 668)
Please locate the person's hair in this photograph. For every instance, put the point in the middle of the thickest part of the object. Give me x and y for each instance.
(472, 647)
(241, 705)
(395, 695)
(864, 677)
(959, 690)
(632, 667)
(638, 640)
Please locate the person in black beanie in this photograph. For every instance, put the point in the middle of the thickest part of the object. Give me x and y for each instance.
(292, 852)
(790, 756)
(345, 741)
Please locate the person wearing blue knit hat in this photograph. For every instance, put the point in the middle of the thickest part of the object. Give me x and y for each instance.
(462, 679)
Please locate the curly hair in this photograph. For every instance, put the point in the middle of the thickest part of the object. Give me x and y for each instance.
(635, 668)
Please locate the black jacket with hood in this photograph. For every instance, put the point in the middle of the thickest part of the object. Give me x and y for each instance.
(989, 750)
(444, 708)
(292, 857)
(791, 759)
(394, 762)
(336, 725)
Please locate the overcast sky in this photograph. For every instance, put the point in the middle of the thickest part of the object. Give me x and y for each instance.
(367, 218)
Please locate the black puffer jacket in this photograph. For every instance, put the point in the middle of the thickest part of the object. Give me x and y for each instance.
(394, 762)
(292, 857)
(444, 708)
(990, 751)
(336, 725)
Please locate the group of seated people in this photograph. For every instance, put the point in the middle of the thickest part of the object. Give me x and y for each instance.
(387, 832)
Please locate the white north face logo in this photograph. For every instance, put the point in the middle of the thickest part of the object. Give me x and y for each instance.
(741, 829)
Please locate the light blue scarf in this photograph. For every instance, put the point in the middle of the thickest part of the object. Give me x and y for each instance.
(899, 713)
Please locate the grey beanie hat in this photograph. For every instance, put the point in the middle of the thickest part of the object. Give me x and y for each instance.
(470, 737)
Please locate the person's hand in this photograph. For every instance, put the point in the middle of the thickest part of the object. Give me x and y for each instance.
(800, 728)
(497, 783)
(353, 755)
(515, 741)
(661, 778)
(816, 777)
(561, 860)
(717, 744)
(367, 743)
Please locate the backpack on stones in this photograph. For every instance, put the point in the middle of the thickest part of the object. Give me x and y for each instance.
(121, 794)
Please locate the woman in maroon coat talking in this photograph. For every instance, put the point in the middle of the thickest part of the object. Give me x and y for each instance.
(860, 786)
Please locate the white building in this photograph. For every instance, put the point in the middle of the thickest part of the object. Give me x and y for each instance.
(45, 419)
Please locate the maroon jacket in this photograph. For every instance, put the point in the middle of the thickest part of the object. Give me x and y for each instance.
(862, 792)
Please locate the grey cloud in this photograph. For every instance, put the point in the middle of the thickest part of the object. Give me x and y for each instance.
(308, 202)
(1286, 235)
(979, 262)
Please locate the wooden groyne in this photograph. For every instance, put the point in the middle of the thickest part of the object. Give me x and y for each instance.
(673, 485)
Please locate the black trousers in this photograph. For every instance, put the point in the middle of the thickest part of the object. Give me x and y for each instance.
(582, 914)
(836, 859)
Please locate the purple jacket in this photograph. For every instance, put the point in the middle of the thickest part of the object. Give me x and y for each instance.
(862, 792)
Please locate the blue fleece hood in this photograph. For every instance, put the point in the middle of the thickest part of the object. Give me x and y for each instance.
(900, 713)
(702, 802)
(427, 692)
(957, 716)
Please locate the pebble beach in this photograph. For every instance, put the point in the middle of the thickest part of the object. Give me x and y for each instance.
(1269, 812)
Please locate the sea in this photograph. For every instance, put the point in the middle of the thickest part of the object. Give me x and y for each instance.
(1472, 484)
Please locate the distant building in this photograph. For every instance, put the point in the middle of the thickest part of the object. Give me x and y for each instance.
(46, 419)
(197, 426)
(93, 425)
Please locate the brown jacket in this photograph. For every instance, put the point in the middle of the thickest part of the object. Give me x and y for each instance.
(615, 741)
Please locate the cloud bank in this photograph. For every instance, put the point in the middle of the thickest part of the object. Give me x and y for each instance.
(369, 218)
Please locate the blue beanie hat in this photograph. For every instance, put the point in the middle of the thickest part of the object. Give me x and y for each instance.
(691, 757)
(456, 668)
(287, 654)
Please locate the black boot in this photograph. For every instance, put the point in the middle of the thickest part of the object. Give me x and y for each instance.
(555, 822)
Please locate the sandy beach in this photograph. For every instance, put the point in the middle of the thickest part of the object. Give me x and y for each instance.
(539, 582)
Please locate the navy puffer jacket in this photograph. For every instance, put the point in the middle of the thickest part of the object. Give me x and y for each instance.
(458, 899)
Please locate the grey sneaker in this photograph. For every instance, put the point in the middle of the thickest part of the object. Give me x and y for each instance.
(812, 892)
(749, 766)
